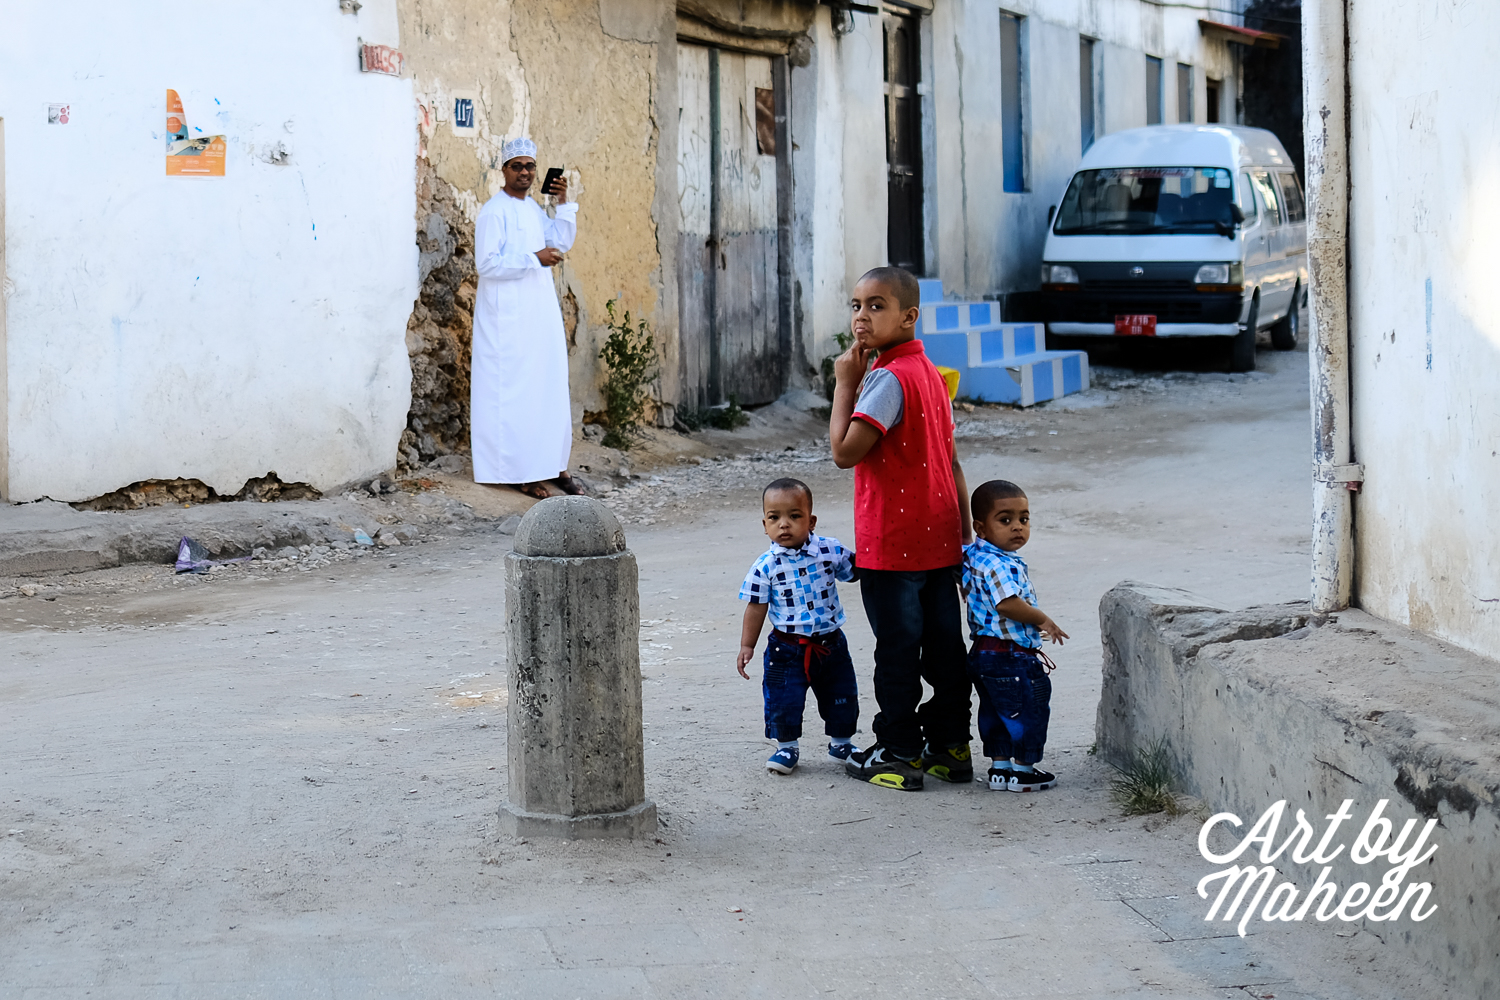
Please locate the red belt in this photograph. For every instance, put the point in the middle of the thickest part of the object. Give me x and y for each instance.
(810, 644)
(995, 644)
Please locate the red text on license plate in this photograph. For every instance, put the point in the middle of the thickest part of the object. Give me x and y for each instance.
(1135, 326)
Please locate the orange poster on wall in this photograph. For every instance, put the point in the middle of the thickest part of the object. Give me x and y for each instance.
(188, 156)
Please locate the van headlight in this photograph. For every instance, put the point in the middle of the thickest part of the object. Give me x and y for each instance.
(1229, 277)
(1058, 274)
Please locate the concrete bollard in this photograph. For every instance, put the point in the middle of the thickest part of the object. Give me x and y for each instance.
(577, 763)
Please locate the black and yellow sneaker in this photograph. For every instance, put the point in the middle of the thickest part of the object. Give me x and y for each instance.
(876, 765)
(953, 764)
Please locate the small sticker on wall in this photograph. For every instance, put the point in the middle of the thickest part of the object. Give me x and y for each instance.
(58, 114)
(465, 118)
(190, 155)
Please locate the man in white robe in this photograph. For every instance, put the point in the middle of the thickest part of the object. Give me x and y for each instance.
(520, 414)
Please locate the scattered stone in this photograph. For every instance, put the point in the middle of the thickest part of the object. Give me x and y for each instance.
(287, 552)
(28, 590)
(508, 526)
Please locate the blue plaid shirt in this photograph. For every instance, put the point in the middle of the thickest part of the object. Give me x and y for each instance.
(801, 585)
(990, 576)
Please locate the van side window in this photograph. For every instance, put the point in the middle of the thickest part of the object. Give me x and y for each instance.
(1270, 197)
(1247, 200)
(1291, 197)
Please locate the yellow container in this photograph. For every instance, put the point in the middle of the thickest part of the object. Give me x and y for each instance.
(950, 375)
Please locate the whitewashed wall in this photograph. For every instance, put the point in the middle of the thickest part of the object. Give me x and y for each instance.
(1425, 317)
(990, 240)
(209, 328)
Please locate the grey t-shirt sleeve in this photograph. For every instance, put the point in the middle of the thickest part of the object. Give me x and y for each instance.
(881, 399)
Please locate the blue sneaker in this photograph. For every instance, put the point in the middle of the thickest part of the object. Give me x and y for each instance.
(783, 761)
(841, 751)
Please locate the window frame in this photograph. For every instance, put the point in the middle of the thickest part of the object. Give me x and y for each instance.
(1156, 104)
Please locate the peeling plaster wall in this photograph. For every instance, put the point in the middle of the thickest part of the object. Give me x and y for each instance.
(582, 78)
(1424, 252)
(203, 328)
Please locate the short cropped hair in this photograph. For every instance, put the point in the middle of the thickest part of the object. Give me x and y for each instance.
(982, 504)
(787, 485)
(899, 280)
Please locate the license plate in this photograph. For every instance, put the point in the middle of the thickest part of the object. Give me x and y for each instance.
(1135, 326)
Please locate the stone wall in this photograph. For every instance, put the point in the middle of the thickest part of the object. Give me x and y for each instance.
(1276, 703)
(439, 334)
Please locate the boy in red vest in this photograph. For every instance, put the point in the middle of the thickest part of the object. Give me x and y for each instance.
(911, 519)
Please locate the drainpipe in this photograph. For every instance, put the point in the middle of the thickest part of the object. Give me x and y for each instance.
(1325, 61)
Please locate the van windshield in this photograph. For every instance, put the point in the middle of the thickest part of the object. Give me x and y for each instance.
(1129, 200)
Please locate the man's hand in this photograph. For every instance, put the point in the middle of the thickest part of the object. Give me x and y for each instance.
(747, 653)
(560, 189)
(549, 256)
(1051, 631)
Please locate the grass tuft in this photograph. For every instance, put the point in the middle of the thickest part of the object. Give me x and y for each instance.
(1144, 782)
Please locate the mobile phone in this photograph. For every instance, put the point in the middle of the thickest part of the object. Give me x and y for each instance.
(553, 173)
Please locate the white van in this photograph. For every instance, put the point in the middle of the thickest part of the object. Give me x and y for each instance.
(1180, 231)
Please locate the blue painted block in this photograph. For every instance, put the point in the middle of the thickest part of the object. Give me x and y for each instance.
(950, 350)
(1072, 366)
(979, 313)
(989, 385)
(931, 290)
(1026, 340)
(991, 345)
(945, 317)
(1041, 381)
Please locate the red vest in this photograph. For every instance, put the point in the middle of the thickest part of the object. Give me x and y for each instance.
(905, 501)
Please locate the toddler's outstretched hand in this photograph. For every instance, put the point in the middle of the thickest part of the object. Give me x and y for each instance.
(1051, 631)
(747, 653)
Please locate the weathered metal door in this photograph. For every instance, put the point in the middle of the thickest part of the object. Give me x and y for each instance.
(903, 143)
(728, 248)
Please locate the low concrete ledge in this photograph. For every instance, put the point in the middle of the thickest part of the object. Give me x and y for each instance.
(1276, 702)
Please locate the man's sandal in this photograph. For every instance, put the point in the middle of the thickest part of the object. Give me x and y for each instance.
(571, 486)
(537, 491)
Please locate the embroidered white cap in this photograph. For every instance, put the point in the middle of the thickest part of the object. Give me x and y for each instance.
(517, 147)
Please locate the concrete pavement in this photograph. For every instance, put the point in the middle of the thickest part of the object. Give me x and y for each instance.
(254, 787)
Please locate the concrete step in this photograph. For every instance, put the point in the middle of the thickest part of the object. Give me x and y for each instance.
(949, 317)
(1022, 380)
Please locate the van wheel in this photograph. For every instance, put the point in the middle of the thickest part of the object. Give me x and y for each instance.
(1242, 346)
(1284, 332)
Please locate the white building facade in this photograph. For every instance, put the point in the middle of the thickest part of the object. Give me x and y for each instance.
(1405, 239)
(1007, 96)
(157, 325)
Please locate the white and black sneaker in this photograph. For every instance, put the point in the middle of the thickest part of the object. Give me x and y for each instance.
(1031, 781)
(999, 777)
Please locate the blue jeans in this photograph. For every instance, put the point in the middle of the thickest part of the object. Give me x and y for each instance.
(1015, 696)
(831, 677)
(918, 636)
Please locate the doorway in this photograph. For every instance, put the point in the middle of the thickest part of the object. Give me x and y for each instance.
(729, 147)
(903, 142)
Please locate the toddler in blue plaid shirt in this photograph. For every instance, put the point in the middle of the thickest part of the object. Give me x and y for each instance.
(1006, 663)
(796, 582)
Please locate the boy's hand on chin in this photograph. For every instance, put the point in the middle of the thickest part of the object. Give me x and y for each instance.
(850, 366)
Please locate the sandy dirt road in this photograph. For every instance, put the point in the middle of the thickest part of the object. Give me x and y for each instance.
(286, 787)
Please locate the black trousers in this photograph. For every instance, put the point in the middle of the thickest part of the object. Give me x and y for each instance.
(918, 628)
